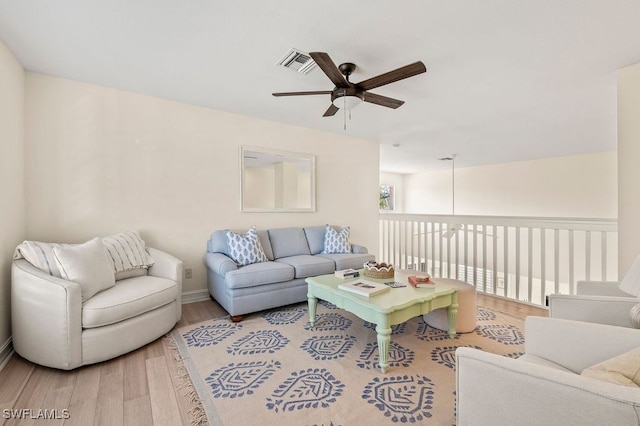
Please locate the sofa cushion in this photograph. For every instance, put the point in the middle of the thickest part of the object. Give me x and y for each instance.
(287, 242)
(127, 252)
(245, 249)
(218, 242)
(309, 266)
(266, 243)
(127, 299)
(315, 238)
(622, 369)
(346, 261)
(336, 242)
(87, 264)
(259, 274)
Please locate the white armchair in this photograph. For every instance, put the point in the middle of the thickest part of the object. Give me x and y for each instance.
(54, 327)
(604, 302)
(544, 386)
(595, 301)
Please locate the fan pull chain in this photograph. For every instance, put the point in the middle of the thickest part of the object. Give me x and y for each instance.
(344, 111)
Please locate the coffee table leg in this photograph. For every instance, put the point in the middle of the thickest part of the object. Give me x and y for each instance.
(452, 313)
(384, 338)
(313, 304)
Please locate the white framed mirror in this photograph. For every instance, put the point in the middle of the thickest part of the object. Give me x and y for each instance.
(277, 181)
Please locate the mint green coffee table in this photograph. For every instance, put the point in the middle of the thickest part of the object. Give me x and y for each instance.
(384, 310)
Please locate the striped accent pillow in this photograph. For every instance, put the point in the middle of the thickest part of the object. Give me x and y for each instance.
(40, 255)
(127, 252)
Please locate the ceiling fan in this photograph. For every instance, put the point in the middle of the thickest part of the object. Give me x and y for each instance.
(346, 94)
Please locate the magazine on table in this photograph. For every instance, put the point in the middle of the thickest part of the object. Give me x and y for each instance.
(364, 287)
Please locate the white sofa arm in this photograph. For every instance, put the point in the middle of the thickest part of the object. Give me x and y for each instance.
(170, 267)
(495, 390)
(576, 345)
(46, 311)
(598, 309)
(600, 288)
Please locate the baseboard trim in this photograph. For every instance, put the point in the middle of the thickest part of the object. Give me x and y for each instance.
(195, 296)
(6, 352)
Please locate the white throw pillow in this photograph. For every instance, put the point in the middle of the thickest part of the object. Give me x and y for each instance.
(336, 242)
(86, 264)
(623, 369)
(127, 252)
(245, 249)
(40, 255)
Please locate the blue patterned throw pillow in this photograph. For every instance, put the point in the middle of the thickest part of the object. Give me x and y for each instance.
(336, 242)
(245, 249)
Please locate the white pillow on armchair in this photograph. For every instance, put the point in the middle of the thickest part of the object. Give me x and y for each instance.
(87, 264)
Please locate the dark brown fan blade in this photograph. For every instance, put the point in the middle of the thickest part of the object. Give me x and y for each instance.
(317, 92)
(330, 69)
(392, 76)
(382, 100)
(330, 111)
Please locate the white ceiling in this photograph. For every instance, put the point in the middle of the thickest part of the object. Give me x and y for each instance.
(507, 80)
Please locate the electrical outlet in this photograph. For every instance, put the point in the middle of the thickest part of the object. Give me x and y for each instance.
(188, 273)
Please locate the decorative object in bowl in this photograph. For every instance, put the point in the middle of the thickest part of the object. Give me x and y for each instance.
(378, 270)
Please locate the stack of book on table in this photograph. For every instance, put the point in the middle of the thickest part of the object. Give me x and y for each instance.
(364, 287)
(421, 281)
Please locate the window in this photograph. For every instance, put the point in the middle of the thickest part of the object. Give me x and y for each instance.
(387, 199)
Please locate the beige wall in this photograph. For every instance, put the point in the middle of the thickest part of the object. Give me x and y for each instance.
(12, 212)
(102, 160)
(628, 169)
(573, 186)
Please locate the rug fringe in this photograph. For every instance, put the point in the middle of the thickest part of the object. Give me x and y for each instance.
(197, 413)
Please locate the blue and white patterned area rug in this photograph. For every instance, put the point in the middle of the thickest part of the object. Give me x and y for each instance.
(273, 369)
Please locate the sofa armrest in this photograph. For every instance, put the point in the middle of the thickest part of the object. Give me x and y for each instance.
(219, 263)
(600, 288)
(599, 309)
(46, 312)
(576, 345)
(496, 390)
(357, 249)
(169, 267)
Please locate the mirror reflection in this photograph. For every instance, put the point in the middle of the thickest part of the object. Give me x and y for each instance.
(277, 181)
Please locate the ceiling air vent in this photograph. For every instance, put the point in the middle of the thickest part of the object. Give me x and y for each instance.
(297, 61)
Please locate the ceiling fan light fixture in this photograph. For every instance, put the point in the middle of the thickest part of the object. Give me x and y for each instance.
(347, 101)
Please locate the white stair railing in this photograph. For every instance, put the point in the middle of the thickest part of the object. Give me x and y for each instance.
(520, 258)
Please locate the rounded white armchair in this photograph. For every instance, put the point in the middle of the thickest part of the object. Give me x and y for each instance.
(59, 323)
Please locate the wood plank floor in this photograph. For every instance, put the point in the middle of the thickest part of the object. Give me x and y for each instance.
(139, 388)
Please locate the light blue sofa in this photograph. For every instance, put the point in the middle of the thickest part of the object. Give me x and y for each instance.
(294, 254)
